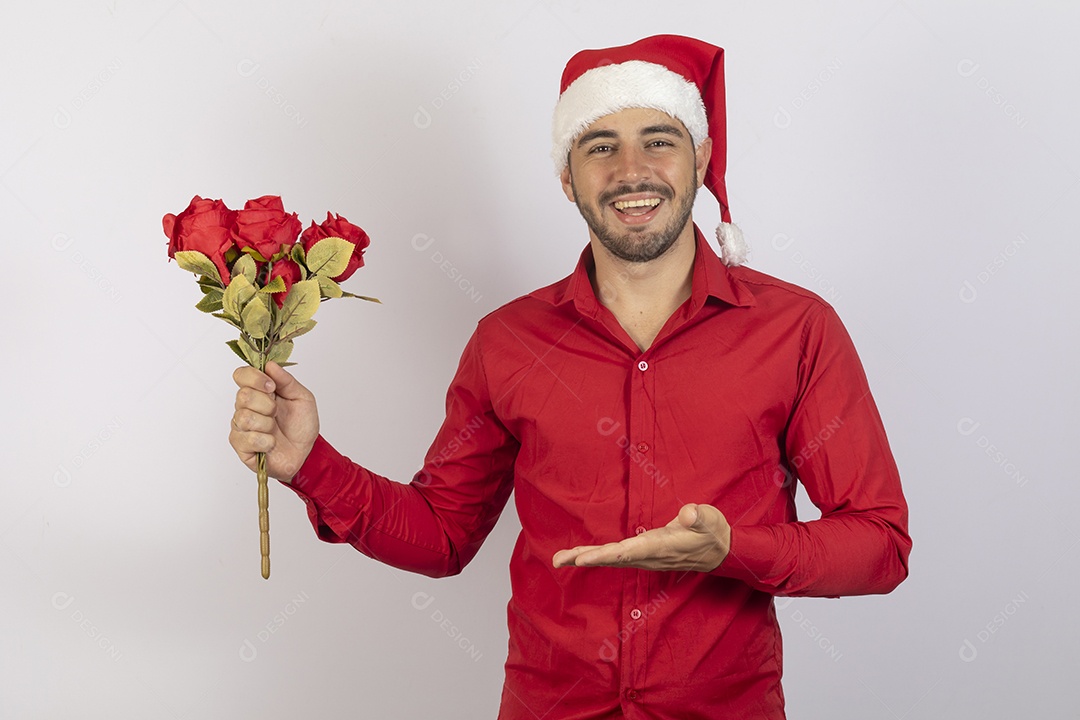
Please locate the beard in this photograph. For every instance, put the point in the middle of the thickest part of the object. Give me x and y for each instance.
(637, 244)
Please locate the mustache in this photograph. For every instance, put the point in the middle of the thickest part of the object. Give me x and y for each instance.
(645, 187)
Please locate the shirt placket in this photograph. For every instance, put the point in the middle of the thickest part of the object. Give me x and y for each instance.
(641, 424)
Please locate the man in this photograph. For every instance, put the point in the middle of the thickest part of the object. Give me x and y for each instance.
(651, 412)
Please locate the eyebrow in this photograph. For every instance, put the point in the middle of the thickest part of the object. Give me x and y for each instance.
(590, 136)
(650, 130)
(664, 129)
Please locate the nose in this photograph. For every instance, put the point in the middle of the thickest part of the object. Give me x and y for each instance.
(633, 164)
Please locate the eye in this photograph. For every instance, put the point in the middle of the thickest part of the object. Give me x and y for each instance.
(661, 143)
(598, 149)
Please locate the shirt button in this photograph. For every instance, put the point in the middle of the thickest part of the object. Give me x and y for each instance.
(635, 614)
(643, 447)
(631, 694)
(639, 529)
(643, 366)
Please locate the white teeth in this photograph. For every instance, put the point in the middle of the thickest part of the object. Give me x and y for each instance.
(623, 204)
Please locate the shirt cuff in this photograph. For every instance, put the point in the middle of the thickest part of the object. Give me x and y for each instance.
(318, 482)
(751, 557)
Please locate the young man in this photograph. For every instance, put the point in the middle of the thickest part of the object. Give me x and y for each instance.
(651, 411)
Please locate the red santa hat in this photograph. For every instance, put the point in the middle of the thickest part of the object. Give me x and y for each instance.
(680, 76)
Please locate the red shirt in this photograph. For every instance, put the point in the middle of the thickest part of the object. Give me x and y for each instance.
(751, 383)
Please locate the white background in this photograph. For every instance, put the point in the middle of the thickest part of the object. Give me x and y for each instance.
(913, 162)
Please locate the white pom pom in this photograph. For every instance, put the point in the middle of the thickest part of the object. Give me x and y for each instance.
(733, 247)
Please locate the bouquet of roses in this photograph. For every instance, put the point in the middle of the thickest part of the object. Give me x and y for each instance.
(262, 275)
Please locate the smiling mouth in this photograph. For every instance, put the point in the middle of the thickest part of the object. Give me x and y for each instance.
(636, 207)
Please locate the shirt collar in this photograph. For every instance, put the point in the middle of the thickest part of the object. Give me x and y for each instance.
(711, 278)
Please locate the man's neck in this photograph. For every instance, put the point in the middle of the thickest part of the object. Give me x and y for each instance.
(642, 296)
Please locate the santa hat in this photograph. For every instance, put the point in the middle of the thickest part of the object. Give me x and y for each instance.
(680, 76)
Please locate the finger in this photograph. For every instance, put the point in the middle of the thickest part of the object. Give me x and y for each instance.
(616, 554)
(248, 421)
(695, 517)
(249, 459)
(286, 385)
(564, 558)
(247, 442)
(247, 376)
(256, 401)
(699, 518)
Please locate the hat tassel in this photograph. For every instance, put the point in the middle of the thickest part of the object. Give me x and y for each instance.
(733, 247)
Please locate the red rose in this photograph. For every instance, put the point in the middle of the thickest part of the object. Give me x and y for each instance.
(338, 226)
(286, 269)
(264, 226)
(205, 226)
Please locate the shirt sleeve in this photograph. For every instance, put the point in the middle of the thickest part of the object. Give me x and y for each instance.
(435, 524)
(835, 445)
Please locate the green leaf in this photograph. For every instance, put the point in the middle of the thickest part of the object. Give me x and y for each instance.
(237, 295)
(274, 286)
(245, 266)
(250, 352)
(361, 297)
(211, 301)
(300, 259)
(234, 322)
(330, 256)
(308, 327)
(194, 261)
(299, 306)
(256, 317)
(253, 253)
(280, 352)
(298, 254)
(328, 287)
(235, 346)
(208, 284)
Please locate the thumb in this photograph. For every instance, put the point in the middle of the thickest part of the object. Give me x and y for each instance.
(285, 385)
(691, 519)
(699, 518)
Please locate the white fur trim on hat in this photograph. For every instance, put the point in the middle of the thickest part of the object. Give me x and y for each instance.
(632, 84)
(733, 247)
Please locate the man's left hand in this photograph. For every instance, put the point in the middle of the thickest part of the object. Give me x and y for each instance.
(697, 539)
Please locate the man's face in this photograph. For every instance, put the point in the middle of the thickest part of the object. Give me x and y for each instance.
(633, 175)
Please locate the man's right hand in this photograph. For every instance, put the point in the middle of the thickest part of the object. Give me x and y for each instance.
(276, 415)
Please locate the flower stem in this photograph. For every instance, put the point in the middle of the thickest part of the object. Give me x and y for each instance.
(264, 490)
(264, 516)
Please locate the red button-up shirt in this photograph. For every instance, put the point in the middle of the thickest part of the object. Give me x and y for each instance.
(752, 384)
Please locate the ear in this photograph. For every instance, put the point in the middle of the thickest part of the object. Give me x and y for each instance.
(702, 154)
(567, 182)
